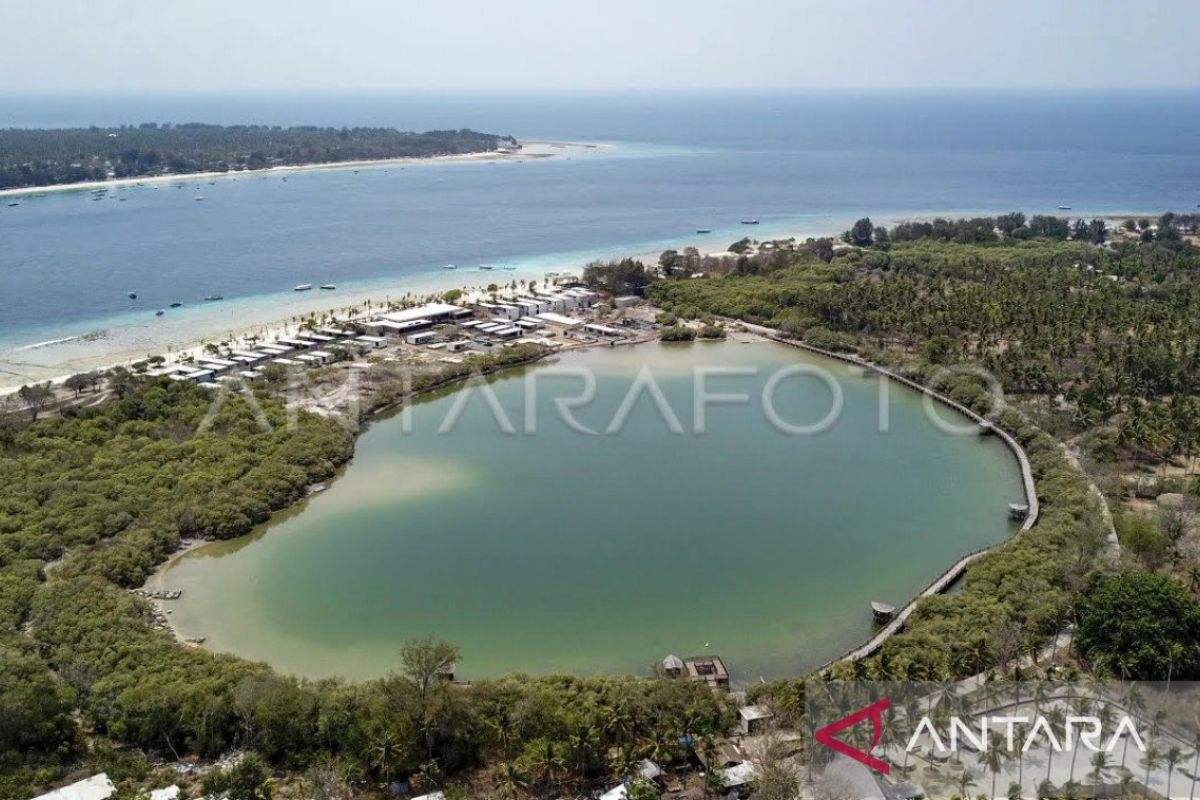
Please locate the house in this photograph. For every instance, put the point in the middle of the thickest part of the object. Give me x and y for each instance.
(323, 356)
(602, 330)
(299, 344)
(707, 669)
(753, 719)
(673, 666)
(372, 342)
(424, 337)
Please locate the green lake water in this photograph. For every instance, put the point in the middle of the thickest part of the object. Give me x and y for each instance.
(558, 551)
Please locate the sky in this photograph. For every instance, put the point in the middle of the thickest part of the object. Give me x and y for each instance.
(607, 45)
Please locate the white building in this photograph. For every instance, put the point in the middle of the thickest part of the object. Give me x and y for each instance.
(420, 338)
(602, 330)
(372, 342)
(434, 312)
(559, 320)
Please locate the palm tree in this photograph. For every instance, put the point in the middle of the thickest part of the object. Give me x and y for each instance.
(1171, 759)
(991, 759)
(965, 782)
(1151, 761)
(1100, 767)
(385, 753)
(545, 762)
(1082, 707)
(510, 780)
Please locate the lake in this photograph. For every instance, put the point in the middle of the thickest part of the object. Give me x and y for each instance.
(557, 550)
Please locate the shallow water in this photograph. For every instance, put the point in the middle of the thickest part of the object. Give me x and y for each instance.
(806, 163)
(562, 551)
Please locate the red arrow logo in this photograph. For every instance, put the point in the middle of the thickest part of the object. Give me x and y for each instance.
(873, 712)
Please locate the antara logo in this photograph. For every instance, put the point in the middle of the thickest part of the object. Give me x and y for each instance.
(874, 712)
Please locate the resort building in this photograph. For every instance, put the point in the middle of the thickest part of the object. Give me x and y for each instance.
(420, 338)
(372, 342)
(602, 330)
(436, 313)
(217, 364)
(707, 669)
(384, 327)
(559, 320)
(323, 356)
(585, 298)
(299, 344)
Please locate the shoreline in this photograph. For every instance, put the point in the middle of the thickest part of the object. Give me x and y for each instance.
(530, 150)
(273, 316)
(750, 332)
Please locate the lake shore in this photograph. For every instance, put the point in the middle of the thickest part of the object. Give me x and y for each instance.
(529, 150)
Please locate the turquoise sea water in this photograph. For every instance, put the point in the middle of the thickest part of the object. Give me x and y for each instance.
(561, 551)
(807, 163)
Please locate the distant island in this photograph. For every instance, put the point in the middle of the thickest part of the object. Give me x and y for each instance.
(34, 157)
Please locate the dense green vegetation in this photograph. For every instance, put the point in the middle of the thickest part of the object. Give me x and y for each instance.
(1140, 625)
(1096, 344)
(44, 157)
(92, 500)
(1088, 341)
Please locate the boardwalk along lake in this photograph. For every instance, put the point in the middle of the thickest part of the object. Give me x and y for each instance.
(556, 550)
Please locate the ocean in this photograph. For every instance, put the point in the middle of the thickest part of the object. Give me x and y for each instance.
(801, 163)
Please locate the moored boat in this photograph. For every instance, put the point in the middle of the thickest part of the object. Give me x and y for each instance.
(328, 286)
(304, 287)
(749, 222)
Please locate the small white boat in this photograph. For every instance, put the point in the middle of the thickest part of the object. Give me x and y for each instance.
(1064, 208)
(13, 205)
(450, 266)
(197, 199)
(304, 287)
(328, 286)
(487, 266)
(749, 222)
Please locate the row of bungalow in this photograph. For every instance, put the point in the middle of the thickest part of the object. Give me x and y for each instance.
(303, 350)
(541, 302)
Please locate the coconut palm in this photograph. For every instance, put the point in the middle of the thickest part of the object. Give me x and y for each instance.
(991, 758)
(511, 780)
(1152, 760)
(1100, 767)
(965, 781)
(1172, 758)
